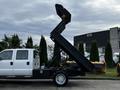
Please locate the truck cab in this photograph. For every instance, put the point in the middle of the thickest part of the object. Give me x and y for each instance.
(18, 62)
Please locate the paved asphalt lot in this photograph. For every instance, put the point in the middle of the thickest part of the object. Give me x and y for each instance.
(72, 85)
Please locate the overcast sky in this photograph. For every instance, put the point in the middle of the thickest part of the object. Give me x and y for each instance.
(38, 17)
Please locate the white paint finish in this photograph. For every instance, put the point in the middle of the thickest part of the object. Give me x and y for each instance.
(19, 67)
(6, 68)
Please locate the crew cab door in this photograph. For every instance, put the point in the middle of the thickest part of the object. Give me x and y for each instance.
(6, 62)
(23, 63)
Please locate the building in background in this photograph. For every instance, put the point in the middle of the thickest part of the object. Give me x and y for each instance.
(112, 35)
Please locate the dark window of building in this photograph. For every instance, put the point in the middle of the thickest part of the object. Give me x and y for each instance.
(89, 35)
(119, 34)
(119, 44)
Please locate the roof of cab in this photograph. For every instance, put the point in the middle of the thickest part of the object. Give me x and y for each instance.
(21, 49)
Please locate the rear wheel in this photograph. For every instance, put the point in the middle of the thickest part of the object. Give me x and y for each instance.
(60, 79)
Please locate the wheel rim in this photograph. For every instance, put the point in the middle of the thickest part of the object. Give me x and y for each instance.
(60, 79)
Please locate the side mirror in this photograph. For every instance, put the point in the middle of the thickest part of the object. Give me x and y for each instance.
(63, 13)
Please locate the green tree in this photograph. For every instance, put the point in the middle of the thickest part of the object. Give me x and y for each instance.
(56, 56)
(3, 45)
(81, 48)
(15, 41)
(94, 55)
(6, 41)
(43, 51)
(10, 42)
(109, 56)
(29, 43)
(36, 47)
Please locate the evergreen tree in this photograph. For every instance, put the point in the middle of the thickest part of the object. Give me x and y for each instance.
(36, 47)
(6, 41)
(15, 41)
(56, 56)
(94, 55)
(109, 56)
(10, 42)
(29, 43)
(81, 48)
(3, 45)
(43, 51)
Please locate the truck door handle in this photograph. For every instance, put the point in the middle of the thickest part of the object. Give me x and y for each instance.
(11, 63)
(28, 63)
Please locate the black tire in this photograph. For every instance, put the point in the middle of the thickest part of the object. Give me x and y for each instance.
(63, 77)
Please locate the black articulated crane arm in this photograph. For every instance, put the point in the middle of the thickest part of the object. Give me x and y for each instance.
(65, 16)
(56, 36)
(63, 13)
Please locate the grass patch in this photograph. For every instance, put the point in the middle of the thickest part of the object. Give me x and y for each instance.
(110, 73)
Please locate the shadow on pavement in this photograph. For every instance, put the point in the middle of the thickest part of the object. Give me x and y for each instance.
(34, 84)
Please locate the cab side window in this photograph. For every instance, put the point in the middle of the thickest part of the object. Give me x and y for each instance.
(6, 55)
(22, 55)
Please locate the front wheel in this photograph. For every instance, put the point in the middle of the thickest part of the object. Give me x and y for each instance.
(60, 79)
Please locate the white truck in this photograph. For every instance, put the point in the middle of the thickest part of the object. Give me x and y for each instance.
(18, 62)
(25, 63)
